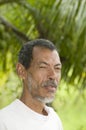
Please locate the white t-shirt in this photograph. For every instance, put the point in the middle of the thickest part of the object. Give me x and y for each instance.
(17, 116)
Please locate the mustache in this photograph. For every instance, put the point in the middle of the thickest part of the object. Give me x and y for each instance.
(50, 83)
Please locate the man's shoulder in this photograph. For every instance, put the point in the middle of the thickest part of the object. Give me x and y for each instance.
(54, 116)
(6, 110)
(51, 109)
(53, 113)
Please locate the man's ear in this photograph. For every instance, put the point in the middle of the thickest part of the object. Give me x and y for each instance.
(21, 71)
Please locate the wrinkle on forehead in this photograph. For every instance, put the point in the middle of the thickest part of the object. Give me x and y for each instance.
(42, 50)
(45, 55)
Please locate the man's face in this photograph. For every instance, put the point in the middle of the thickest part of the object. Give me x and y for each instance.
(44, 74)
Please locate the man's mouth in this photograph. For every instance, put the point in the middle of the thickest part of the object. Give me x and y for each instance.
(51, 88)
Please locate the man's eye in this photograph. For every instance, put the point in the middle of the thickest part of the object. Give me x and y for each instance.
(58, 69)
(42, 66)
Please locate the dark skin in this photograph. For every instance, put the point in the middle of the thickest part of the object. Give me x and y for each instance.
(45, 66)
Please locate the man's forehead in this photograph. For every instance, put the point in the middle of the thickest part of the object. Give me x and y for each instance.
(45, 55)
(39, 49)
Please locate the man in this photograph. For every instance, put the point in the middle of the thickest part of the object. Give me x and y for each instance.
(39, 67)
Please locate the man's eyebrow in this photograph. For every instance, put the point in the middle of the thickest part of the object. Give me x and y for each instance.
(43, 62)
(56, 65)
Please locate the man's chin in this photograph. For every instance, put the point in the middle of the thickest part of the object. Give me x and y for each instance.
(45, 100)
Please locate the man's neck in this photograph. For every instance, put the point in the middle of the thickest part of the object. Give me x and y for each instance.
(33, 104)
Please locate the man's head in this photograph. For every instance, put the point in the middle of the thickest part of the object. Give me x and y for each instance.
(40, 68)
(26, 52)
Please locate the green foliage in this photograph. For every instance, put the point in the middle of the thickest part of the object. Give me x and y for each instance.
(62, 22)
(71, 106)
(10, 88)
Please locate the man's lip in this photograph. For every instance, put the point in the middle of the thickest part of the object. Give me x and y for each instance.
(51, 88)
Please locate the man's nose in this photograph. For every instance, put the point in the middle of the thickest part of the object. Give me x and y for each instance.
(52, 74)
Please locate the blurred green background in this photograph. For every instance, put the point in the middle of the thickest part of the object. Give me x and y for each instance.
(64, 23)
